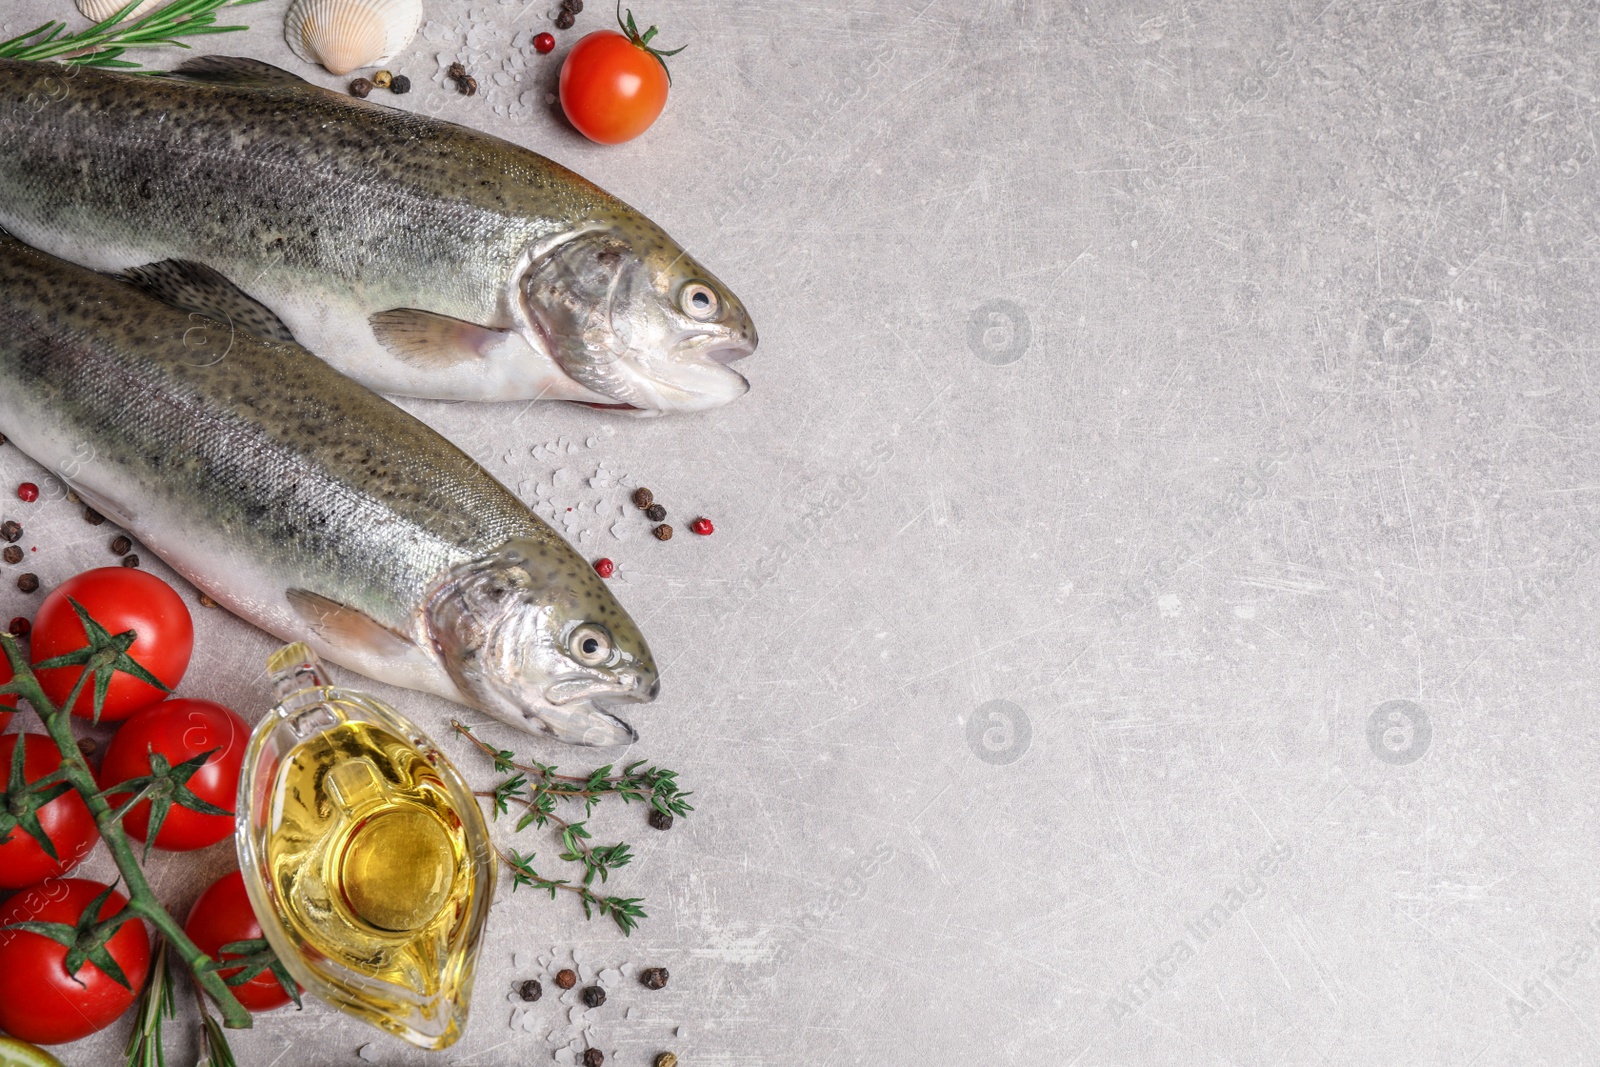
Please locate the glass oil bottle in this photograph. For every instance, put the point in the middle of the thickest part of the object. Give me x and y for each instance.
(365, 855)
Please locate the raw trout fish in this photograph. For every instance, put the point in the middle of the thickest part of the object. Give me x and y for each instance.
(309, 505)
(419, 257)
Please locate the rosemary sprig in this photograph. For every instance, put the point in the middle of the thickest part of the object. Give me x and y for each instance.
(538, 788)
(102, 44)
(625, 911)
(145, 1047)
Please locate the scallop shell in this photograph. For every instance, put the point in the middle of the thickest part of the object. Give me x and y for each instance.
(100, 10)
(346, 35)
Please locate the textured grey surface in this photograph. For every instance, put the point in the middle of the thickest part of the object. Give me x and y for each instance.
(1150, 396)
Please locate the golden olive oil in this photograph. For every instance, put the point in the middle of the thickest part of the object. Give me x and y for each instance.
(368, 852)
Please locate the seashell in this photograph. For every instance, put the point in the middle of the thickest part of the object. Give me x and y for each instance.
(100, 10)
(345, 35)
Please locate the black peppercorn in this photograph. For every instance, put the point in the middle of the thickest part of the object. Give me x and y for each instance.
(593, 996)
(653, 977)
(643, 498)
(400, 85)
(93, 517)
(456, 72)
(28, 583)
(87, 746)
(360, 88)
(574, 6)
(12, 554)
(660, 820)
(530, 990)
(11, 530)
(130, 561)
(2, 438)
(121, 545)
(566, 979)
(468, 86)
(564, 20)
(663, 532)
(593, 1057)
(655, 512)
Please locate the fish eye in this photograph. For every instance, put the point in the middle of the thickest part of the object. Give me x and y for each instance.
(590, 644)
(699, 301)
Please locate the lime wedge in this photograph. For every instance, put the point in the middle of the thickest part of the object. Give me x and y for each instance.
(14, 1053)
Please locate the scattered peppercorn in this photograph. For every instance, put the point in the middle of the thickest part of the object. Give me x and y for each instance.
(2, 438)
(401, 85)
(660, 820)
(73, 498)
(604, 567)
(87, 746)
(12, 554)
(593, 996)
(666, 1059)
(564, 20)
(360, 88)
(93, 517)
(11, 531)
(28, 583)
(655, 512)
(593, 1057)
(574, 6)
(703, 527)
(530, 990)
(20, 627)
(121, 545)
(456, 72)
(566, 979)
(653, 977)
(544, 43)
(382, 80)
(643, 498)
(663, 532)
(130, 560)
(27, 492)
(207, 602)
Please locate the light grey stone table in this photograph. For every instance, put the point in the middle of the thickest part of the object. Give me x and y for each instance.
(1150, 615)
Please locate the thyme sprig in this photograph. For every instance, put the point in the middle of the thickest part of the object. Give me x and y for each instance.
(103, 44)
(537, 789)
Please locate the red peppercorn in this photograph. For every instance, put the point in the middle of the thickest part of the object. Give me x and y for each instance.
(20, 627)
(604, 567)
(27, 492)
(702, 526)
(544, 43)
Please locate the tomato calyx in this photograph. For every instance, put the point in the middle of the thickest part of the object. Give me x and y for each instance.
(642, 40)
(22, 799)
(252, 957)
(85, 940)
(103, 658)
(165, 785)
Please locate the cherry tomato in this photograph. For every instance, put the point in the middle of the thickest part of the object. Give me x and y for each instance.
(6, 701)
(39, 1000)
(119, 599)
(65, 820)
(222, 916)
(613, 85)
(178, 730)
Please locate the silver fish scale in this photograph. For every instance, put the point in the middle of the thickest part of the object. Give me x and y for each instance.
(266, 448)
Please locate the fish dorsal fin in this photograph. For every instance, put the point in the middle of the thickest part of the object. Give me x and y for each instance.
(346, 628)
(235, 70)
(197, 288)
(424, 339)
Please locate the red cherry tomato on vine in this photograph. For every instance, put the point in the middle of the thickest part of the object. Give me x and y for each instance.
(179, 730)
(614, 85)
(119, 599)
(222, 916)
(6, 701)
(39, 1000)
(65, 820)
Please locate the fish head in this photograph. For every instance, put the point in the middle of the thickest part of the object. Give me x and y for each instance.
(632, 317)
(531, 635)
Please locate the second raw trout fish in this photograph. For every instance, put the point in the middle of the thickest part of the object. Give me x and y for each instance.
(309, 505)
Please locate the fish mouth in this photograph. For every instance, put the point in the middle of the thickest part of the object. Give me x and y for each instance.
(579, 712)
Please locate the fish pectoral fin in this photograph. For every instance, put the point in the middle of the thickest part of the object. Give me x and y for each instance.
(234, 70)
(199, 289)
(346, 628)
(425, 339)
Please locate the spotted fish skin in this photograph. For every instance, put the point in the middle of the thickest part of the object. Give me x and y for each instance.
(305, 503)
(329, 211)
